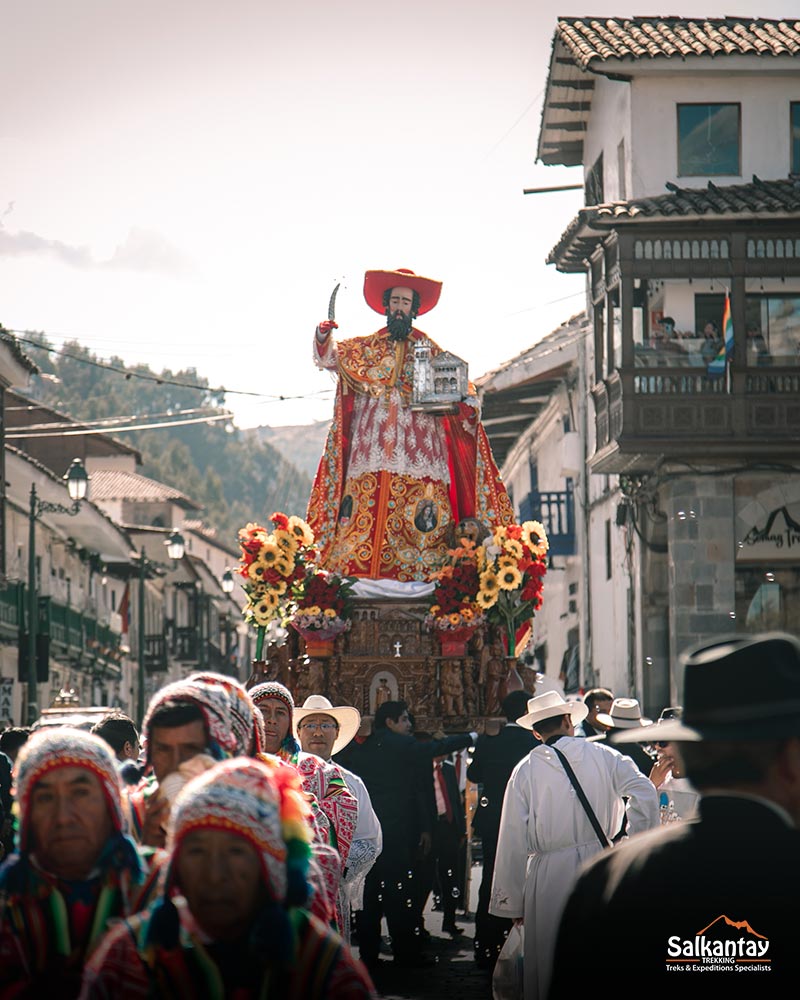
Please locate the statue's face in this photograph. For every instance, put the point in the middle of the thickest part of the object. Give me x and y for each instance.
(401, 300)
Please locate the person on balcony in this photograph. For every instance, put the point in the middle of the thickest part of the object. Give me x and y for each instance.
(392, 480)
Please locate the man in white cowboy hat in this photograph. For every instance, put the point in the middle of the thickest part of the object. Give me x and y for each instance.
(546, 830)
(325, 730)
(625, 714)
(723, 888)
(385, 463)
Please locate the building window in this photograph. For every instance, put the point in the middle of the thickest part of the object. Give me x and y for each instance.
(773, 329)
(767, 598)
(794, 115)
(593, 187)
(623, 189)
(708, 140)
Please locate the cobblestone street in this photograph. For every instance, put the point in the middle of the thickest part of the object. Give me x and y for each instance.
(454, 973)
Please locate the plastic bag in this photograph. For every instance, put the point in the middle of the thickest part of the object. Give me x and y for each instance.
(507, 976)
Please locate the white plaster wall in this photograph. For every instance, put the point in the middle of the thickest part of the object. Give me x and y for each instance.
(609, 123)
(765, 140)
(609, 601)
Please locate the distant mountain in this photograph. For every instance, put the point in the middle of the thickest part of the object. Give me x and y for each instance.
(301, 444)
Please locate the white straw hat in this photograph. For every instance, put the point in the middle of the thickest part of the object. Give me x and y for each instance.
(349, 718)
(549, 704)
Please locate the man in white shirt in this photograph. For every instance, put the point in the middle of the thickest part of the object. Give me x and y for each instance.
(546, 834)
(324, 730)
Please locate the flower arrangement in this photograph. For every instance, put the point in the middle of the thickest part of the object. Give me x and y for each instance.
(325, 607)
(455, 608)
(274, 565)
(511, 565)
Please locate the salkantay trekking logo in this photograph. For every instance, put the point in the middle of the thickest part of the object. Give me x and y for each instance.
(725, 945)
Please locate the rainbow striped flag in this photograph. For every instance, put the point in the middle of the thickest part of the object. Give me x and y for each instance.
(717, 364)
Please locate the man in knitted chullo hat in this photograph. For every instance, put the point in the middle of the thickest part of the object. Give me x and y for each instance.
(334, 807)
(188, 725)
(231, 922)
(74, 870)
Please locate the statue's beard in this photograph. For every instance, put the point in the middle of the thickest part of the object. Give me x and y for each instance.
(399, 325)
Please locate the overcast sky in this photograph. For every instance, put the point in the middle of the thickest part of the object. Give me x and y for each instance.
(183, 182)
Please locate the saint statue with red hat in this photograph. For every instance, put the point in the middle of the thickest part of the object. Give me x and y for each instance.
(393, 481)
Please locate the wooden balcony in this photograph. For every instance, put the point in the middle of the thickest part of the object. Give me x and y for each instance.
(643, 416)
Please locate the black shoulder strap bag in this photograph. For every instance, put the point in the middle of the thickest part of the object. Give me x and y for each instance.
(601, 835)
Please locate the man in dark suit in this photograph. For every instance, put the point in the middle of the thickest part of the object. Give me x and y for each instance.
(391, 762)
(494, 759)
(721, 890)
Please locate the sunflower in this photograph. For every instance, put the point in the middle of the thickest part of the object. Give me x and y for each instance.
(279, 587)
(486, 600)
(506, 560)
(513, 548)
(284, 564)
(535, 537)
(500, 534)
(509, 578)
(467, 614)
(270, 553)
(286, 541)
(301, 531)
(329, 612)
(488, 581)
(256, 570)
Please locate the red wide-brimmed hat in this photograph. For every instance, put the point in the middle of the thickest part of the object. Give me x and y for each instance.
(376, 283)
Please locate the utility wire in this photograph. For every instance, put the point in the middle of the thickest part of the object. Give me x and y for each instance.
(18, 436)
(158, 379)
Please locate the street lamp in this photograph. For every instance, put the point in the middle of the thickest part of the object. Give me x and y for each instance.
(175, 549)
(77, 482)
(227, 582)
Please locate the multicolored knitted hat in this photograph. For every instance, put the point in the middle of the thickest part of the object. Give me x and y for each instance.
(48, 750)
(242, 711)
(272, 689)
(214, 703)
(262, 802)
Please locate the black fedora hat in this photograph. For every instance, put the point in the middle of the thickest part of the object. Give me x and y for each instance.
(736, 687)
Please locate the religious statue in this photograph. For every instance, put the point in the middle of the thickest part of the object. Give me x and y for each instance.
(451, 688)
(382, 692)
(393, 479)
(494, 677)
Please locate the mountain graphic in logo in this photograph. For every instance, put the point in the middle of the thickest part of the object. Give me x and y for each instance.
(727, 928)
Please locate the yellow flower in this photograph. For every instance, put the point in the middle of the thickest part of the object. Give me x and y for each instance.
(510, 578)
(488, 582)
(279, 588)
(284, 564)
(301, 531)
(500, 534)
(486, 600)
(329, 612)
(467, 614)
(313, 610)
(506, 560)
(256, 570)
(513, 547)
(454, 619)
(435, 609)
(286, 542)
(480, 557)
(270, 553)
(535, 537)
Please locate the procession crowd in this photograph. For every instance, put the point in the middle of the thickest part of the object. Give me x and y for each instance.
(249, 847)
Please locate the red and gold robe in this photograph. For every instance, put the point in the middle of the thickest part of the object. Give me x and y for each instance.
(392, 481)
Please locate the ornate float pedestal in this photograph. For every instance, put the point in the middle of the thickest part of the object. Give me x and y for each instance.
(390, 654)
